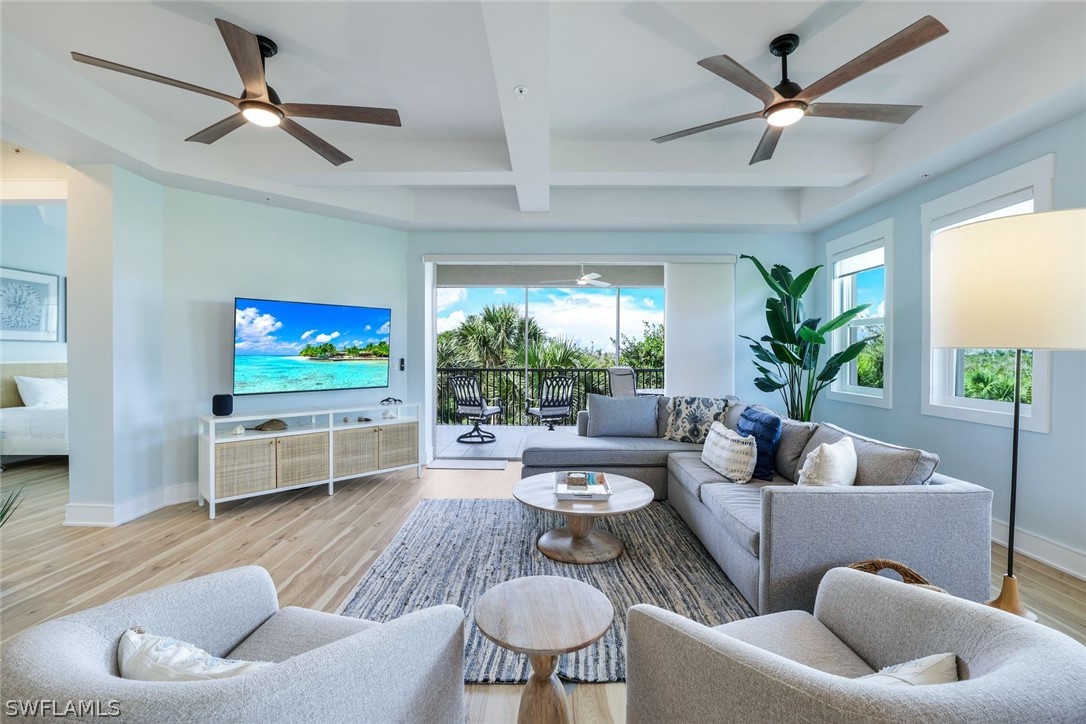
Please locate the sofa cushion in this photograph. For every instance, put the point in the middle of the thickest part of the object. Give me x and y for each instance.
(291, 631)
(738, 509)
(662, 415)
(830, 464)
(690, 473)
(765, 427)
(689, 418)
(563, 450)
(794, 438)
(877, 462)
(621, 416)
(730, 453)
(733, 413)
(800, 637)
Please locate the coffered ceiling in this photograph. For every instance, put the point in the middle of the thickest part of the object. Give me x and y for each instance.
(602, 79)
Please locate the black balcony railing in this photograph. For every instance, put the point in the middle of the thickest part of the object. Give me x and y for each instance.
(516, 387)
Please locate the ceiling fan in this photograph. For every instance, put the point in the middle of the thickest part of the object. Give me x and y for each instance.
(259, 103)
(787, 102)
(591, 279)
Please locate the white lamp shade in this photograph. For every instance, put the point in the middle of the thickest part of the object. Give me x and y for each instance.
(1017, 282)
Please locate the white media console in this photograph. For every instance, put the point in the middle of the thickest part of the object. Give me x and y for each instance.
(317, 447)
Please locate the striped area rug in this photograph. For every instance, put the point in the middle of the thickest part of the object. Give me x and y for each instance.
(451, 551)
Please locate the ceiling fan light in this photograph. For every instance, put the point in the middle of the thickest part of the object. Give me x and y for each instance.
(261, 114)
(785, 114)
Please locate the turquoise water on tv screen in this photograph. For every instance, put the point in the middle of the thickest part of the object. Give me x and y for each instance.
(264, 373)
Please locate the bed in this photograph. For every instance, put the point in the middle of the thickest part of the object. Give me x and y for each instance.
(31, 431)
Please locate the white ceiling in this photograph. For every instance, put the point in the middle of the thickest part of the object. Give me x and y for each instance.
(603, 78)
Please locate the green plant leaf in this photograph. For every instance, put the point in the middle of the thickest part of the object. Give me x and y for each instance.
(769, 280)
(780, 326)
(810, 335)
(766, 385)
(785, 354)
(842, 358)
(842, 319)
(799, 287)
(783, 276)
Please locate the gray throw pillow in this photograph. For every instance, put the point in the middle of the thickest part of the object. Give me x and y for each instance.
(794, 438)
(621, 416)
(878, 462)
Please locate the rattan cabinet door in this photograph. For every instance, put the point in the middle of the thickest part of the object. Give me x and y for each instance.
(244, 467)
(301, 459)
(399, 445)
(355, 451)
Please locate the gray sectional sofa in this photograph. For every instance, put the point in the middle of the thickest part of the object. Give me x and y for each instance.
(774, 539)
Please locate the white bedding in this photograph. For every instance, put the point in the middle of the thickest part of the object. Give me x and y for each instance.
(34, 430)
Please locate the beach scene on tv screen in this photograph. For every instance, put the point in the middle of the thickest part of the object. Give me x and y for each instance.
(302, 347)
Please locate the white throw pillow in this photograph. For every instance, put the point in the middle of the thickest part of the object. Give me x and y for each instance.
(729, 453)
(936, 669)
(41, 391)
(830, 464)
(146, 657)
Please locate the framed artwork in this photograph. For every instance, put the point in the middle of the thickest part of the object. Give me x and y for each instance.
(28, 306)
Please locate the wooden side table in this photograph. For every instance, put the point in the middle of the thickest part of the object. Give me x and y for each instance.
(543, 617)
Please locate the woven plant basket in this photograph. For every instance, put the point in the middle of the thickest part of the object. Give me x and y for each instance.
(907, 574)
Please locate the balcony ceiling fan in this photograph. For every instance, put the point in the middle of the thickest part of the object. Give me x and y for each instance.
(787, 102)
(591, 279)
(259, 103)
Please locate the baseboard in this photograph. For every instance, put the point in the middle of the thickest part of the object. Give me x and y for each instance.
(1059, 556)
(102, 515)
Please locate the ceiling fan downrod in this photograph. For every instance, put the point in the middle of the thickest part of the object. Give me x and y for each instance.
(782, 46)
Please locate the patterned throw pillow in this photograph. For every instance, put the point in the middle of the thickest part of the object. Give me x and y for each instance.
(729, 453)
(689, 418)
(765, 428)
(830, 464)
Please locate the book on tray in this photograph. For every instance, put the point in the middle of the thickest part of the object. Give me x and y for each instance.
(581, 485)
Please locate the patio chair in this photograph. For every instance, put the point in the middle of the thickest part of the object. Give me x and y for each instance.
(623, 381)
(471, 404)
(555, 401)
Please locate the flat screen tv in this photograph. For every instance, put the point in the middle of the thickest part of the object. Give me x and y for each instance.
(305, 347)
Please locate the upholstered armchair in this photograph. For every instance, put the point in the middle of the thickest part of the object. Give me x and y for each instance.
(329, 668)
(794, 667)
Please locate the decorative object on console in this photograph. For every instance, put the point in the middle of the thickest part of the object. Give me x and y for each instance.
(830, 464)
(689, 418)
(239, 430)
(260, 104)
(222, 405)
(272, 425)
(732, 455)
(765, 427)
(794, 341)
(1017, 282)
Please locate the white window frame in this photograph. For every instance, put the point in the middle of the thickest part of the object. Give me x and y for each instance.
(1030, 180)
(880, 234)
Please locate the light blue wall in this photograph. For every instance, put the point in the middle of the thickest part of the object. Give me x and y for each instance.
(794, 250)
(35, 238)
(1052, 468)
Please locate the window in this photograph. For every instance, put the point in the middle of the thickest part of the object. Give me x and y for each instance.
(978, 384)
(860, 274)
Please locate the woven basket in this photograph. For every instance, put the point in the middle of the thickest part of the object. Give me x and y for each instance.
(907, 574)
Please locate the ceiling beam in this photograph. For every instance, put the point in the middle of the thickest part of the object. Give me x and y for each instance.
(519, 39)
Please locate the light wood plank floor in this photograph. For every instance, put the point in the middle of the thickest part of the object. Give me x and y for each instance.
(316, 548)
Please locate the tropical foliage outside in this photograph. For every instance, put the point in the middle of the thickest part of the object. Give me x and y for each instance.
(500, 338)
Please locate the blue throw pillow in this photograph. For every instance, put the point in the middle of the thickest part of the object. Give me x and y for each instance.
(765, 427)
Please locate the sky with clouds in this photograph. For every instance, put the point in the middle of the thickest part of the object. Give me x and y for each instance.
(585, 315)
(284, 328)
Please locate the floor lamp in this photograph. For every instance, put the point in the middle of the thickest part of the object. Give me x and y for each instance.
(1011, 283)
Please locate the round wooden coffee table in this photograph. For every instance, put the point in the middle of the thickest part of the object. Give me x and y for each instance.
(543, 617)
(580, 541)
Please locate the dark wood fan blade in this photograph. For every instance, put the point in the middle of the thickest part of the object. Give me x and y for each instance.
(767, 145)
(217, 130)
(357, 114)
(245, 50)
(128, 70)
(331, 154)
(731, 71)
(707, 127)
(882, 112)
(920, 33)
